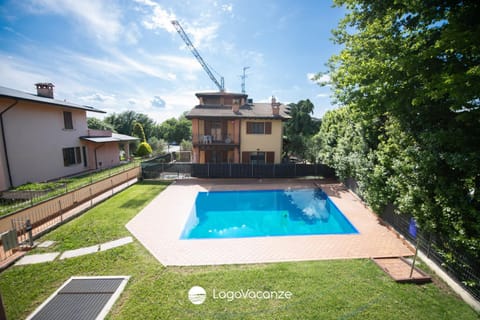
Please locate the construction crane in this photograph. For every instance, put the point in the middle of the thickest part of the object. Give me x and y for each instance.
(186, 39)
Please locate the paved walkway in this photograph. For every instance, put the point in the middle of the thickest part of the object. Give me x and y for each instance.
(159, 225)
(47, 257)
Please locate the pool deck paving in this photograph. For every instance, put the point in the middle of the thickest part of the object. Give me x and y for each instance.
(159, 225)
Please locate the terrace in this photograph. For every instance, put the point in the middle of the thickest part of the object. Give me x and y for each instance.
(159, 231)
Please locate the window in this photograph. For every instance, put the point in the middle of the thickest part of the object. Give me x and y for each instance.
(84, 150)
(211, 100)
(257, 157)
(216, 129)
(71, 156)
(67, 120)
(259, 128)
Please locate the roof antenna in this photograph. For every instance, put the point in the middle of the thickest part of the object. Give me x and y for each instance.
(243, 78)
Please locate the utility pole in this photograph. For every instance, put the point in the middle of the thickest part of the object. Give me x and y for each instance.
(243, 78)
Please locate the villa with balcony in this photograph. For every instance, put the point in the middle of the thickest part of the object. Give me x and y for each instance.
(230, 128)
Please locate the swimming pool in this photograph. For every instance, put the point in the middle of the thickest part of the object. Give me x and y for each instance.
(262, 213)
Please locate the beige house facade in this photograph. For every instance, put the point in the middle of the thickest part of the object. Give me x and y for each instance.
(230, 128)
(44, 139)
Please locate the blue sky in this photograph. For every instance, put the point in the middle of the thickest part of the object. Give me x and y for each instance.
(120, 55)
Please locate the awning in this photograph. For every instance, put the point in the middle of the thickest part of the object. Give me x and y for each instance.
(116, 137)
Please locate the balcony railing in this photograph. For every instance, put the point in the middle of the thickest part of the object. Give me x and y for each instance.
(205, 139)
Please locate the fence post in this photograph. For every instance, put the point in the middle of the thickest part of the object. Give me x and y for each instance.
(60, 207)
(28, 228)
(91, 198)
(429, 244)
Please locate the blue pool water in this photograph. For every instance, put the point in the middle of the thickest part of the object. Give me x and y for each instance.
(237, 214)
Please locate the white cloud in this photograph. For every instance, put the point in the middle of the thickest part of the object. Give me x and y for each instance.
(201, 32)
(119, 63)
(21, 74)
(188, 64)
(132, 34)
(98, 97)
(158, 102)
(202, 36)
(227, 7)
(100, 18)
(159, 18)
(323, 95)
(323, 79)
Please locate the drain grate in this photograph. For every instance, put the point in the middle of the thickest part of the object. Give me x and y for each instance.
(82, 298)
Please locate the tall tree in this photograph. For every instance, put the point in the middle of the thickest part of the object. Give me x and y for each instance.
(97, 124)
(300, 128)
(124, 122)
(411, 71)
(176, 130)
(138, 131)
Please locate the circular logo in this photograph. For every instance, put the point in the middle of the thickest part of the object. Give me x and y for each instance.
(197, 295)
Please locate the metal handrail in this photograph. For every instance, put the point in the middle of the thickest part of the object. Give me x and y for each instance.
(213, 139)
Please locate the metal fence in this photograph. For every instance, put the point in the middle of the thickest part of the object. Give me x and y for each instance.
(236, 170)
(460, 265)
(13, 200)
(46, 214)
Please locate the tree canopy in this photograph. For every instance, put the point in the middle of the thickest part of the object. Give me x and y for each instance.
(408, 78)
(124, 122)
(300, 128)
(97, 124)
(172, 130)
(176, 130)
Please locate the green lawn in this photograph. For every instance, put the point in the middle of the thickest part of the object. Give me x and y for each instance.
(60, 187)
(340, 289)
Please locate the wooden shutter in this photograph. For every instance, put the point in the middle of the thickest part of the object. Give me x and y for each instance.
(224, 130)
(249, 127)
(245, 157)
(208, 156)
(270, 157)
(268, 128)
(67, 120)
(208, 127)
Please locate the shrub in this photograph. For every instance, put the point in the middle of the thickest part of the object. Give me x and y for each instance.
(144, 149)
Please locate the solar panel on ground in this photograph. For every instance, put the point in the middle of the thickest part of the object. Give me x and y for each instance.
(81, 299)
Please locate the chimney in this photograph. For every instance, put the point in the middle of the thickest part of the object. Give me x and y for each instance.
(236, 105)
(45, 89)
(275, 107)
